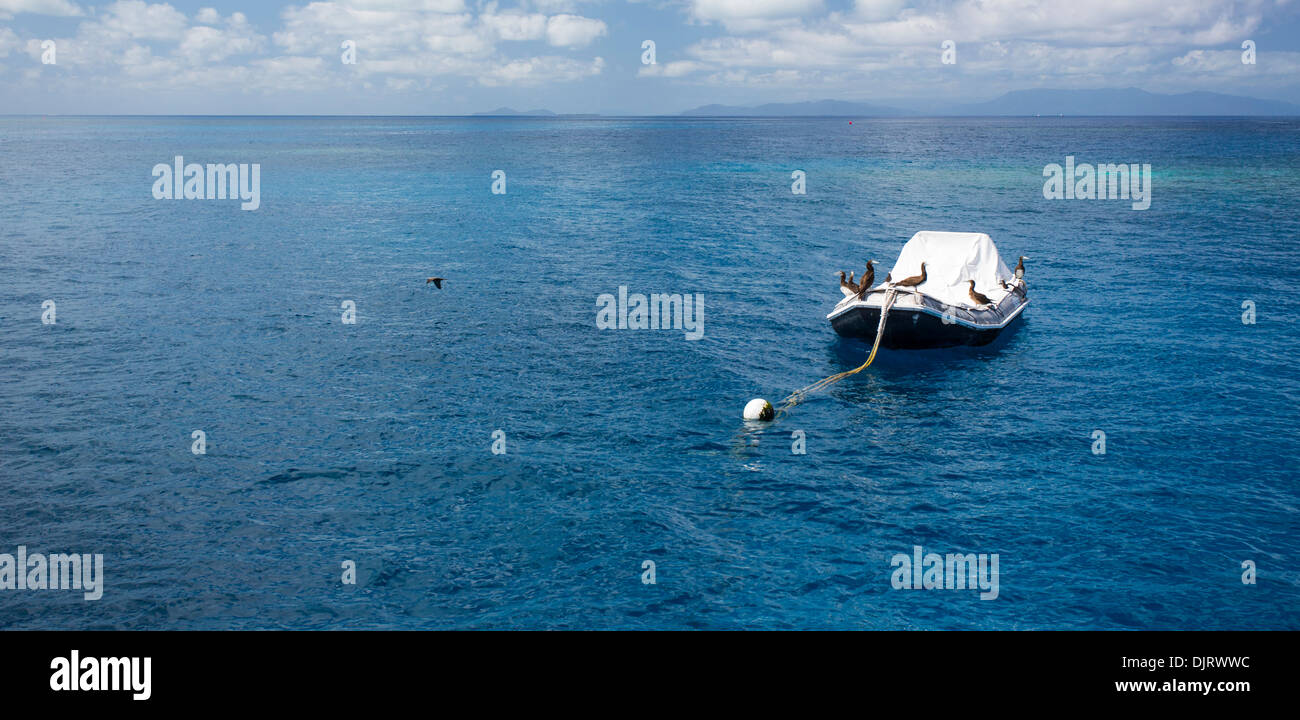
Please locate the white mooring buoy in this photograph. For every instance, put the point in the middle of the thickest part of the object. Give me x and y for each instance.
(758, 409)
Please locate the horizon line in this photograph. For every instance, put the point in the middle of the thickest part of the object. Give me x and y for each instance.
(599, 116)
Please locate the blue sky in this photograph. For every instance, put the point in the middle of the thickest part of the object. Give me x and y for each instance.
(464, 56)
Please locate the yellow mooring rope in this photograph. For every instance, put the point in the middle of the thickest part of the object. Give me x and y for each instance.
(798, 396)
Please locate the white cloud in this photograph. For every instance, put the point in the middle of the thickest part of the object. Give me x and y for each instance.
(1064, 21)
(455, 35)
(144, 40)
(1213, 64)
(1055, 37)
(559, 6)
(407, 42)
(573, 30)
(751, 15)
(538, 70)
(516, 26)
(285, 73)
(424, 39)
(320, 26)
(8, 41)
(877, 10)
(854, 49)
(677, 68)
(38, 7)
(138, 19)
(204, 44)
(729, 10)
(880, 48)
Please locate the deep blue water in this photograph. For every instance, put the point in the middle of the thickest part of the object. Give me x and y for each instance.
(371, 442)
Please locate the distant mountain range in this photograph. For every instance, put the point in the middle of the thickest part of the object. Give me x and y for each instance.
(511, 112)
(1128, 101)
(822, 108)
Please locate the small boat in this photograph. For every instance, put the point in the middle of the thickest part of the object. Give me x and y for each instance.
(940, 311)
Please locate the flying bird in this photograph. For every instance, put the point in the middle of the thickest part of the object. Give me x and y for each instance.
(977, 297)
(914, 280)
(437, 282)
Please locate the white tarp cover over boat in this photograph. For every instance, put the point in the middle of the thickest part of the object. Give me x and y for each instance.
(952, 260)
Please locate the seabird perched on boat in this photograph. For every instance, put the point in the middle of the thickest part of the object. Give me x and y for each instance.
(1020, 267)
(977, 297)
(868, 278)
(437, 282)
(846, 284)
(914, 280)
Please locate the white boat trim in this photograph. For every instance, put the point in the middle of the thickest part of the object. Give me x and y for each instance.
(954, 320)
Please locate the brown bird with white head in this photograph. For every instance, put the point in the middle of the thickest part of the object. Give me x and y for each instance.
(848, 284)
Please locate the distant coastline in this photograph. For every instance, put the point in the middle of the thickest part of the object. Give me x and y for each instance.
(1127, 102)
(540, 113)
(1104, 102)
